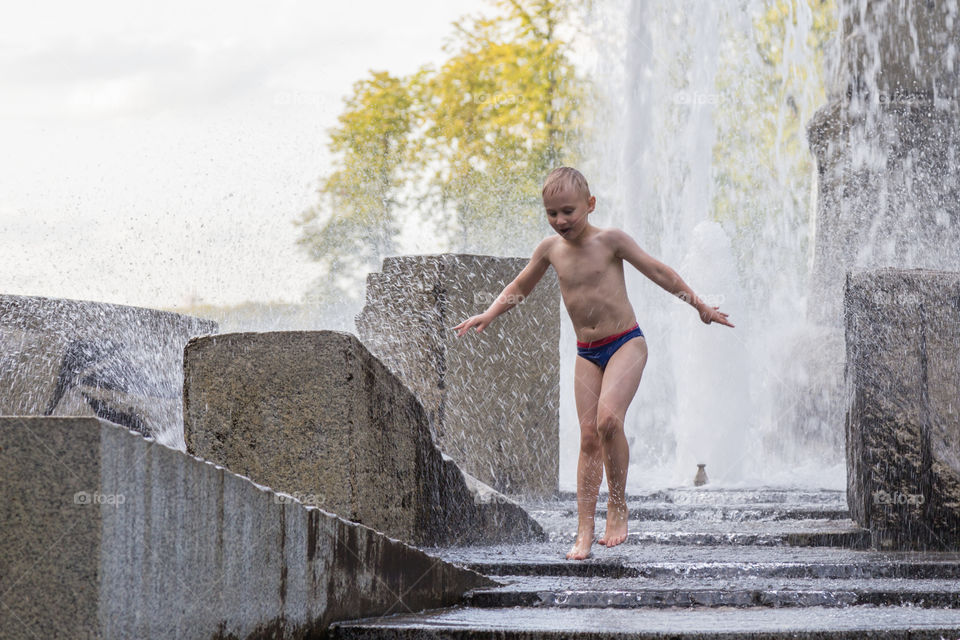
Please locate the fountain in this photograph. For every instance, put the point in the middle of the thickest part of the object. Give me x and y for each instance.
(732, 401)
(163, 543)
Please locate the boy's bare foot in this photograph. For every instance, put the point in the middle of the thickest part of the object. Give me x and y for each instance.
(581, 548)
(616, 531)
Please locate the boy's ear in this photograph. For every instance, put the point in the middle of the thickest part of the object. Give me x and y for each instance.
(591, 203)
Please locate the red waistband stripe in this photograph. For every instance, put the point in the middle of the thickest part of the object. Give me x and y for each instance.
(607, 340)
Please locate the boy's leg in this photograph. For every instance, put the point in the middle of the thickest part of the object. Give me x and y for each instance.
(620, 381)
(586, 386)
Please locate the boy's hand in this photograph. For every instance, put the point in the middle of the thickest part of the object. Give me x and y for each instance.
(480, 322)
(713, 314)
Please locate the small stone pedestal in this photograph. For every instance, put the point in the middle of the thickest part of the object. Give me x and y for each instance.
(903, 422)
(493, 397)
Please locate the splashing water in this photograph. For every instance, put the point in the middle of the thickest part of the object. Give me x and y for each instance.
(681, 169)
(705, 162)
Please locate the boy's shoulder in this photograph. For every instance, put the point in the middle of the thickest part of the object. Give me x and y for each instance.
(615, 238)
(547, 243)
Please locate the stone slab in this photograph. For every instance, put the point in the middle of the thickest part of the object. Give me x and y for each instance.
(903, 422)
(108, 535)
(522, 623)
(72, 357)
(316, 415)
(494, 396)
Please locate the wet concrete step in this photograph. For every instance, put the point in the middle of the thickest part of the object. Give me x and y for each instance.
(741, 513)
(833, 533)
(698, 563)
(704, 561)
(683, 591)
(724, 496)
(759, 623)
(764, 517)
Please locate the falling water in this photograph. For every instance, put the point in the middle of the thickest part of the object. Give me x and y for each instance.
(685, 87)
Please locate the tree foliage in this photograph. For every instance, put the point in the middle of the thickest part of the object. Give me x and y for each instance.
(355, 223)
(764, 169)
(463, 147)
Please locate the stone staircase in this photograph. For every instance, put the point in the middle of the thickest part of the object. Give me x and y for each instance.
(698, 563)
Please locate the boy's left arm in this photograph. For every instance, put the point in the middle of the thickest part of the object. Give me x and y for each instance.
(627, 249)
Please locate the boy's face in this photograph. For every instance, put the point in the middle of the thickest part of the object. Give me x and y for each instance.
(567, 211)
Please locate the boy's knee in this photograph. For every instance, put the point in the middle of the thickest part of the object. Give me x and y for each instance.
(608, 425)
(590, 441)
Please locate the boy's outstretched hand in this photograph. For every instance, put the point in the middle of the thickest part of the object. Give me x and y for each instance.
(713, 314)
(480, 322)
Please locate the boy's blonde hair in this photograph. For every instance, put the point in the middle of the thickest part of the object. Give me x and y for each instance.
(566, 177)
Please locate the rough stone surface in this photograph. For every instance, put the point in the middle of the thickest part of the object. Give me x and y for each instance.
(889, 194)
(493, 396)
(903, 426)
(898, 48)
(888, 191)
(108, 535)
(71, 357)
(314, 414)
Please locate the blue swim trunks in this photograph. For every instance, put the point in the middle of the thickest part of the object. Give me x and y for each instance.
(599, 351)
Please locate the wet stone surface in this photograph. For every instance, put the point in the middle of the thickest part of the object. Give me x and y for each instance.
(704, 563)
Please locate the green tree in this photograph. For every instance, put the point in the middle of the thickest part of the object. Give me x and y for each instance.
(764, 170)
(506, 108)
(465, 146)
(354, 224)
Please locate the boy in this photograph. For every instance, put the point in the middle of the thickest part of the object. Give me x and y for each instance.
(611, 349)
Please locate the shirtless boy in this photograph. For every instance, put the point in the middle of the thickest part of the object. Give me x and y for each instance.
(611, 349)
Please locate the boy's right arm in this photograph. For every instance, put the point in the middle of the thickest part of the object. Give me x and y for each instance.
(513, 293)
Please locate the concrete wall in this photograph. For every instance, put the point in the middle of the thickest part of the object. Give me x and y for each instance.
(903, 421)
(71, 357)
(108, 535)
(493, 397)
(314, 414)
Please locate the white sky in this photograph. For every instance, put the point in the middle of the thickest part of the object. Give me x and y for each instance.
(153, 152)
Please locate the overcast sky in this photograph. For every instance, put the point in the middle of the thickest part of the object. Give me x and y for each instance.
(158, 152)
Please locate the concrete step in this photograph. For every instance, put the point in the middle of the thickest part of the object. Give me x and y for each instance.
(763, 512)
(759, 623)
(698, 563)
(839, 533)
(736, 513)
(726, 496)
(764, 516)
(705, 561)
(714, 591)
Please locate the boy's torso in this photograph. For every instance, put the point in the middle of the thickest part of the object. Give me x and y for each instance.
(592, 285)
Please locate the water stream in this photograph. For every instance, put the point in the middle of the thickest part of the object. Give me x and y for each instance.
(682, 168)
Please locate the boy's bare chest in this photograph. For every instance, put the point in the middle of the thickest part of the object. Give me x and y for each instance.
(587, 269)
